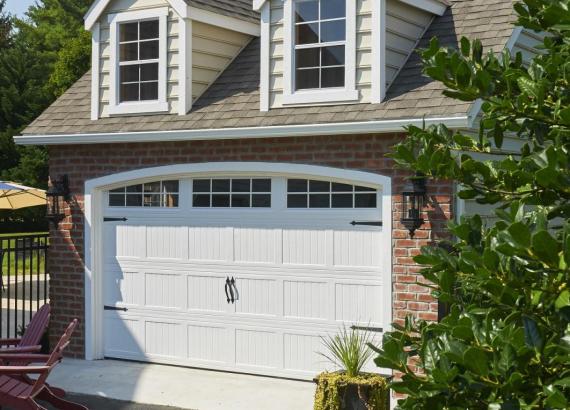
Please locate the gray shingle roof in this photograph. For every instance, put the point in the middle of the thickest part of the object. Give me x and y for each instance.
(242, 9)
(233, 100)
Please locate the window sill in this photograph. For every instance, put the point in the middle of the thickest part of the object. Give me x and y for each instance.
(321, 96)
(138, 108)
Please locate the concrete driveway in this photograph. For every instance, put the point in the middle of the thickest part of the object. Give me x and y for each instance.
(96, 403)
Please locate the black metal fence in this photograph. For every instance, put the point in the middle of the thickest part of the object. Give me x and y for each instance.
(24, 280)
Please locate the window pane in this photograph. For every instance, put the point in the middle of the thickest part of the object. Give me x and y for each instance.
(333, 55)
(149, 72)
(152, 187)
(201, 185)
(220, 185)
(149, 91)
(170, 186)
(307, 33)
(307, 57)
(128, 32)
(149, 29)
(129, 52)
(365, 200)
(319, 186)
(305, 79)
(117, 200)
(342, 200)
(241, 185)
(261, 201)
(171, 200)
(319, 200)
(306, 11)
(331, 9)
(134, 200)
(130, 73)
(332, 77)
(333, 31)
(201, 200)
(118, 190)
(152, 200)
(338, 187)
(261, 185)
(222, 201)
(296, 201)
(134, 188)
(129, 92)
(297, 185)
(240, 200)
(149, 50)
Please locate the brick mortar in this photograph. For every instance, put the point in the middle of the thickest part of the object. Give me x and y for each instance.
(355, 152)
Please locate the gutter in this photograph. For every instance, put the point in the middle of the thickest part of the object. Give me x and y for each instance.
(346, 128)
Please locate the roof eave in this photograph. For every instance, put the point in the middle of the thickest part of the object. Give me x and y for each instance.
(437, 7)
(366, 127)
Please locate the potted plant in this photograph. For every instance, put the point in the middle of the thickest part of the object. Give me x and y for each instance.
(350, 388)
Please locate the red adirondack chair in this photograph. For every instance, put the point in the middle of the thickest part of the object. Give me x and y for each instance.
(19, 392)
(30, 341)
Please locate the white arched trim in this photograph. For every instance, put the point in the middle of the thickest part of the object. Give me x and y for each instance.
(94, 206)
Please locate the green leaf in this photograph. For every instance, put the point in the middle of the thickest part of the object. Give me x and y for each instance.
(563, 299)
(476, 360)
(520, 233)
(532, 335)
(545, 247)
(554, 398)
(463, 75)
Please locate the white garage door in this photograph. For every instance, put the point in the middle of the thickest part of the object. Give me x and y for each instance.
(242, 273)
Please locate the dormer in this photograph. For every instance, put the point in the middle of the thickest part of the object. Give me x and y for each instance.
(159, 56)
(319, 52)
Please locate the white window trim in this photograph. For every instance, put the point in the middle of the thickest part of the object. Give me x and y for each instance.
(348, 93)
(160, 105)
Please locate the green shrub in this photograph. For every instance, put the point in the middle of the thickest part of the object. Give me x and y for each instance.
(333, 391)
(348, 350)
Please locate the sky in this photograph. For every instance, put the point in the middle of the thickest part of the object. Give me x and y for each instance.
(18, 7)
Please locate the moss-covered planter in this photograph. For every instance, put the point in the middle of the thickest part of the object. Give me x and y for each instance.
(337, 391)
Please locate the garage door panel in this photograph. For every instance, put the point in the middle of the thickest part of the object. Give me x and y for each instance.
(210, 244)
(208, 343)
(307, 247)
(359, 302)
(255, 348)
(123, 335)
(130, 241)
(165, 290)
(163, 338)
(256, 296)
(167, 242)
(357, 248)
(257, 245)
(304, 299)
(206, 293)
(301, 352)
(123, 287)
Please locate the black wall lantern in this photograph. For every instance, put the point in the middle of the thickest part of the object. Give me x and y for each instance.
(57, 195)
(413, 199)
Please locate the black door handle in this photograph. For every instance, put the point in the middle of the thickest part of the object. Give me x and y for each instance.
(226, 288)
(233, 284)
(124, 309)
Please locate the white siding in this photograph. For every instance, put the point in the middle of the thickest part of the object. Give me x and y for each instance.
(404, 27)
(214, 49)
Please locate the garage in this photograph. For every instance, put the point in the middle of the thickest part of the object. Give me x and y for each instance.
(236, 266)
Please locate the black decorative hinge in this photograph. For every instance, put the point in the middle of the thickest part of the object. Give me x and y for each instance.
(123, 309)
(368, 223)
(367, 328)
(106, 219)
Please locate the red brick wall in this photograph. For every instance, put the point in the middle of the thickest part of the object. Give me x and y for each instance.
(360, 152)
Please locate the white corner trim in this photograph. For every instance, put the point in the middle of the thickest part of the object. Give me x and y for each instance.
(98, 7)
(94, 234)
(258, 4)
(95, 70)
(367, 127)
(185, 66)
(264, 58)
(432, 6)
(378, 91)
(348, 93)
(160, 105)
(517, 31)
(227, 22)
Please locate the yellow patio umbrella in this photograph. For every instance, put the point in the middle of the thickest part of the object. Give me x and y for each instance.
(14, 196)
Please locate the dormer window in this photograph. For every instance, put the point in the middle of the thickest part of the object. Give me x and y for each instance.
(138, 62)
(320, 52)
(320, 43)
